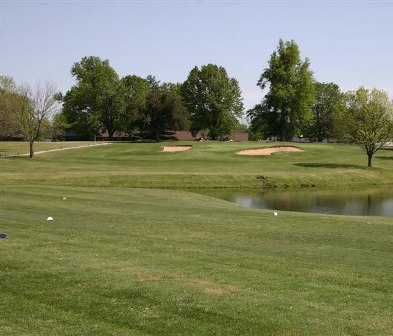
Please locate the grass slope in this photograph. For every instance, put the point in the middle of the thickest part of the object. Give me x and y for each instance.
(124, 261)
(153, 262)
(208, 164)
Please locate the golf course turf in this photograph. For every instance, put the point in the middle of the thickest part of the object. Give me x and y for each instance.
(129, 253)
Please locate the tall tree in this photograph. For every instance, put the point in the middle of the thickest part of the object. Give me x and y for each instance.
(329, 100)
(290, 95)
(213, 99)
(97, 101)
(33, 110)
(137, 90)
(367, 120)
(165, 110)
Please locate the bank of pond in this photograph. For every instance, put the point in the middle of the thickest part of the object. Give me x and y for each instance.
(356, 202)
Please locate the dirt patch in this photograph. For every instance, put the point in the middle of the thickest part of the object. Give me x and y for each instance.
(269, 151)
(222, 290)
(209, 287)
(175, 148)
(201, 283)
(147, 277)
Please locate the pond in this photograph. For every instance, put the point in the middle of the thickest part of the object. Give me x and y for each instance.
(371, 202)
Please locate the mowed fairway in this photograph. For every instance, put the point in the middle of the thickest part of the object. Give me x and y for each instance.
(207, 164)
(119, 260)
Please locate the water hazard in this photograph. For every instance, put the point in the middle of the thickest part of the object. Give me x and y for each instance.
(371, 202)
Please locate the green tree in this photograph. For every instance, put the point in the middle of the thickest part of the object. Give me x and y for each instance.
(213, 99)
(290, 93)
(9, 98)
(264, 122)
(137, 90)
(164, 111)
(367, 120)
(83, 119)
(58, 126)
(97, 101)
(329, 100)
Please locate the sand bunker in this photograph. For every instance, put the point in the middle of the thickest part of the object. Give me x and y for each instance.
(175, 148)
(269, 151)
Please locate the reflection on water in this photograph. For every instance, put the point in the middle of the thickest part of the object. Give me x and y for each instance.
(376, 202)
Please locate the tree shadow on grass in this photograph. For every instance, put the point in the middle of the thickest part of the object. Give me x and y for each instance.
(14, 157)
(383, 151)
(384, 157)
(3, 150)
(8, 153)
(327, 165)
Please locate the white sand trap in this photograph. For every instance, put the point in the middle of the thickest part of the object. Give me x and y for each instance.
(175, 148)
(269, 151)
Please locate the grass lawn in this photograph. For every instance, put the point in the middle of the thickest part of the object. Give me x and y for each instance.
(121, 260)
(154, 262)
(211, 164)
(9, 148)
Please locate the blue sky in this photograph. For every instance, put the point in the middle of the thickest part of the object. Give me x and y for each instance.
(348, 42)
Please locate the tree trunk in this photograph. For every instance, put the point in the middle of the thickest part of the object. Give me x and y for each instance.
(213, 135)
(282, 133)
(110, 134)
(31, 150)
(370, 156)
(320, 136)
(282, 128)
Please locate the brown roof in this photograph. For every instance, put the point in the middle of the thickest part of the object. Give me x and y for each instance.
(186, 135)
(240, 137)
(115, 135)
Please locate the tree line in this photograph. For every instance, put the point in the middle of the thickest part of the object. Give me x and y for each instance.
(294, 104)
(209, 101)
